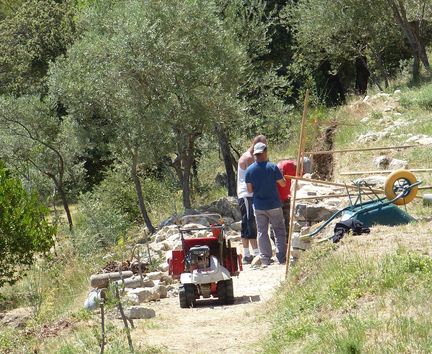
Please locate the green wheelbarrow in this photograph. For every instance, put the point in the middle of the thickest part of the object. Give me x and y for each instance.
(400, 188)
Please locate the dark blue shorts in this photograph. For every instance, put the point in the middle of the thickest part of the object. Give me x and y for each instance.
(248, 224)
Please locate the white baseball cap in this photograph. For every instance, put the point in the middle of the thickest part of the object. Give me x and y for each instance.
(259, 148)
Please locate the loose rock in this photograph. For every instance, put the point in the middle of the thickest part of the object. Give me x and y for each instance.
(145, 294)
(17, 318)
(139, 312)
(162, 291)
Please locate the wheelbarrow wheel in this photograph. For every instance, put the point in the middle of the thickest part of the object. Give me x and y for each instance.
(396, 182)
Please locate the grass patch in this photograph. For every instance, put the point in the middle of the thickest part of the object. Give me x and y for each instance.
(335, 302)
(418, 97)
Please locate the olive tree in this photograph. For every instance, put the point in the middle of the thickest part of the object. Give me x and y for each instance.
(159, 73)
(32, 136)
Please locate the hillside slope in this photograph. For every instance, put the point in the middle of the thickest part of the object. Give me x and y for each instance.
(368, 293)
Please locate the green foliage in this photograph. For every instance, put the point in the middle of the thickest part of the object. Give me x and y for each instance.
(418, 97)
(35, 141)
(24, 231)
(31, 37)
(326, 283)
(110, 209)
(351, 34)
(263, 89)
(99, 225)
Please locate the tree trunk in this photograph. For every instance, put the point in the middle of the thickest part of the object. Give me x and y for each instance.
(412, 33)
(362, 76)
(187, 164)
(65, 206)
(59, 186)
(224, 145)
(375, 80)
(140, 197)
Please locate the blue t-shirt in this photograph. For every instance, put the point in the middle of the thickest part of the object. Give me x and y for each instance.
(263, 176)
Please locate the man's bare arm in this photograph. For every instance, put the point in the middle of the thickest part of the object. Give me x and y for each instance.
(281, 182)
(249, 187)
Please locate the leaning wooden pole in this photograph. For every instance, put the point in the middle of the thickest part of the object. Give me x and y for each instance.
(299, 169)
(360, 149)
(381, 172)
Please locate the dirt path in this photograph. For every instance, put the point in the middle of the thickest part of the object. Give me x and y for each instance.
(210, 327)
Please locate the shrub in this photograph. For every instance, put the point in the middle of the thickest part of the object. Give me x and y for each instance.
(24, 232)
(100, 225)
(420, 97)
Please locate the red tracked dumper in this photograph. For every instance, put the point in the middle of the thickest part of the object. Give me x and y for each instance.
(205, 265)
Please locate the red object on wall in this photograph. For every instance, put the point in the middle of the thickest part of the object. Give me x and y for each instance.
(176, 264)
(287, 167)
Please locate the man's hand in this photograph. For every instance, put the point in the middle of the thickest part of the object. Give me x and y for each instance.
(281, 182)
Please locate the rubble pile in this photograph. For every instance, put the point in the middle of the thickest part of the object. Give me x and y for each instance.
(153, 286)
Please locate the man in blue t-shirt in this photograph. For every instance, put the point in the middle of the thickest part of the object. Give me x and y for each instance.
(261, 179)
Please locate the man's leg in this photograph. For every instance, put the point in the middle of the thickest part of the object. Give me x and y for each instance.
(262, 222)
(242, 202)
(278, 224)
(286, 213)
(251, 227)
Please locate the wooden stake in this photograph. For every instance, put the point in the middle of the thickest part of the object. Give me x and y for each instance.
(125, 322)
(299, 169)
(102, 344)
(335, 184)
(363, 149)
(379, 172)
(330, 196)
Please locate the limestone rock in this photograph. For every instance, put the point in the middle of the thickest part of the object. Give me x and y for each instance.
(161, 290)
(298, 225)
(17, 318)
(396, 164)
(236, 226)
(382, 162)
(200, 220)
(167, 279)
(164, 267)
(300, 244)
(372, 136)
(234, 237)
(226, 207)
(421, 139)
(314, 212)
(135, 282)
(133, 298)
(388, 163)
(154, 275)
(373, 181)
(160, 247)
(145, 294)
(102, 280)
(139, 312)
